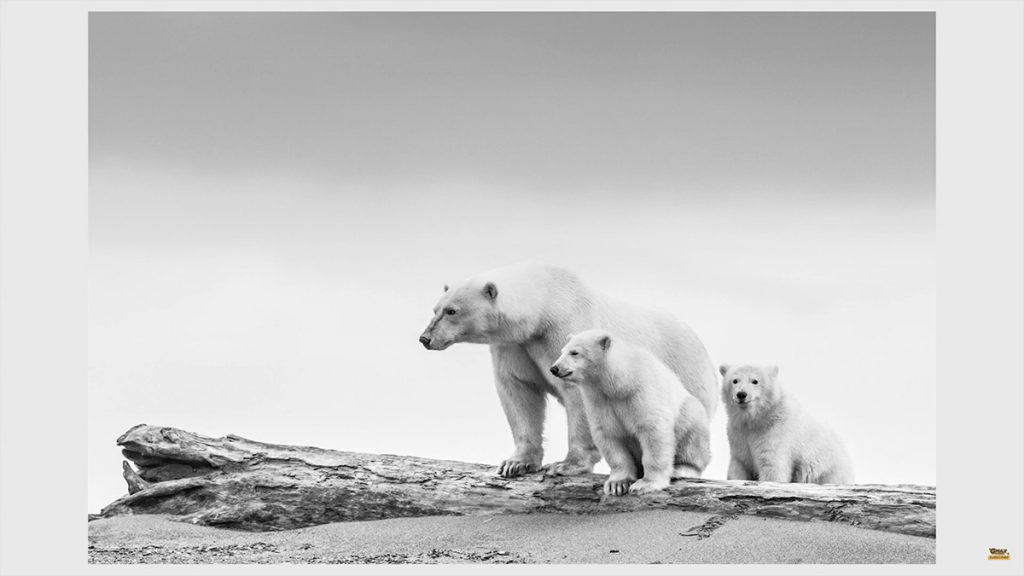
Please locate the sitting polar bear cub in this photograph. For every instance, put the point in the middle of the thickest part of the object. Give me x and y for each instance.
(643, 421)
(771, 439)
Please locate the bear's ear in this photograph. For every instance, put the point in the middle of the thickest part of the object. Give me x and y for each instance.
(773, 371)
(490, 290)
(445, 287)
(570, 337)
(724, 369)
(604, 342)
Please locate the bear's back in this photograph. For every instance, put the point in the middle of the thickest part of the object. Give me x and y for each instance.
(669, 339)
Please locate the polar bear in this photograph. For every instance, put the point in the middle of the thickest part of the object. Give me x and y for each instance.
(644, 422)
(771, 438)
(524, 313)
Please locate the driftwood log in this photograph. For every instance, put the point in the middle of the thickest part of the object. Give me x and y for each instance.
(242, 484)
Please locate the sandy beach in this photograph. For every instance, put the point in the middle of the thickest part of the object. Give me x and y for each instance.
(650, 537)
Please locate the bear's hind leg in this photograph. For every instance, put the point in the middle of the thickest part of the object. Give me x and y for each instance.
(737, 471)
(835, 475)
(685, 471)
(693, 441)
(658, 444)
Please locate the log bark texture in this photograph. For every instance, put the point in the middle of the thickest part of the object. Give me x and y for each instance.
(243, 484)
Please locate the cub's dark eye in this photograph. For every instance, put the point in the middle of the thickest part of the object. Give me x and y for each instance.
(574, 353)
(753, 381)
(735, 380)
(449, 311)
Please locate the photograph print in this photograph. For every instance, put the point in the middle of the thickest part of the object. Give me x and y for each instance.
(511, 287)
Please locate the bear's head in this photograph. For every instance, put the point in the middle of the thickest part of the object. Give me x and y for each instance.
(748, 388)
(583, 356)
(467, 313)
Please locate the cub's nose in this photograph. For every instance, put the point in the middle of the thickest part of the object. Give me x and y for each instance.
(425, 340)
(560, 373)
(741, 396)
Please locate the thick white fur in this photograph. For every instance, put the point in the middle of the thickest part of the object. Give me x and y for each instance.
(771, 438)
(646, 425)
(525, 312)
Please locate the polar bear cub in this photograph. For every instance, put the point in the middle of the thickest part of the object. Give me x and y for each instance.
(644, 423)
(771, 438)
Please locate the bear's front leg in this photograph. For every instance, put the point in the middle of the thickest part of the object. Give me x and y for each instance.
(658, 446)
(623, 468)
(524, 404)
(582, 454)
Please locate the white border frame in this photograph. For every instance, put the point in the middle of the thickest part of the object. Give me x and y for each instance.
(43, 265)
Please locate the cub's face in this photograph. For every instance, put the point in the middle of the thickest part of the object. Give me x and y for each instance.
(748, 387)
(466, 313)
(583, 354)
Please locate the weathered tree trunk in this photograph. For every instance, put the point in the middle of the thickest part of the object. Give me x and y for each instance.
(238, 483)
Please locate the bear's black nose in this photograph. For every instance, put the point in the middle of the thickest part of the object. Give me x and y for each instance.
(741, 395)
(425, 341)
(554, 370)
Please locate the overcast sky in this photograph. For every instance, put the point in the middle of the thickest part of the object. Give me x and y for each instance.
(277, 199)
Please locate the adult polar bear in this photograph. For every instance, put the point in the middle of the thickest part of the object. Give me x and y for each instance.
(525, 312)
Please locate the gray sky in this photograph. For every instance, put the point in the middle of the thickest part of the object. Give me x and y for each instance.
(276, 200)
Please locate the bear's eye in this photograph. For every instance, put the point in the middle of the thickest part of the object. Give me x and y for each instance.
(449, 311)
(735, 380)
(574, 353)
(753, 381)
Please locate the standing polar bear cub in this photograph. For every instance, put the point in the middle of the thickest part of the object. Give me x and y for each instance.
(524, 313)
(644, 422)
(771, 438)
